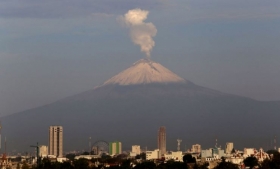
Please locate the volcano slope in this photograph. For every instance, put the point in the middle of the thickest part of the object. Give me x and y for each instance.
(131, 106)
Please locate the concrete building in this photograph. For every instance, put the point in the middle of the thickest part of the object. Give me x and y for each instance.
(196, 148)
(248, 152)
(261, 155)
(162, 140)
(229, 148)
(152, 155)
(56, 141)
(176, 156)
(218, 153)
(43, 151)
(206, 153)
(212, 154)
(115, 148)
(136, 149)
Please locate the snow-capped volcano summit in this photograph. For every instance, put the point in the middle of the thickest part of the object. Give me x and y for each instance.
(145, 72)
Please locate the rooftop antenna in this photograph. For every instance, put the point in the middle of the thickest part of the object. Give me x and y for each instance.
(275, 143)
(178, 144)
(89, 144)
(216, 143)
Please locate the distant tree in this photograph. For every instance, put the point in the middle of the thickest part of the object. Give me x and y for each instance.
(82, 163)
(70, 156)
(18, 166)
(276, 158)
(251, 162)
(85, 153)
(125, 164)
(141, 156)
(273, 152)
(171, 164)
(104, 158)
(267, 164)
(273, 163)
(226, 165)
(25, 165)
(45, 164)
(138, 156)
(188, 158)
(202, 166)
(66, 165)
(146, 165)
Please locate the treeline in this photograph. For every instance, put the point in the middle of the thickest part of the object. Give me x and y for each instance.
(189, 162)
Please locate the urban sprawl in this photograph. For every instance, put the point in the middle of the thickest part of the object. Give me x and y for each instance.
(110, 155)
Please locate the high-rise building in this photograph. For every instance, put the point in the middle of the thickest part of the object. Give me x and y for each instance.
(162, 140)
(136, 149)
(56, 141)
(229, 147)
(115, 148)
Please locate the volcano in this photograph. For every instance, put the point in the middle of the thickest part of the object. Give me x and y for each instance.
(131, 106)
(145, 72)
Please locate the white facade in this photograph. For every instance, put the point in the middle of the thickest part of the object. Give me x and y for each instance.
(152, 155)
(229, 147)
(89, 157)
(56, 141)
(248, 152)
(61, 159)
(235, 160)
(176, 156)
(136, 149)
(43, 151)
(196, 148)
(206, 153)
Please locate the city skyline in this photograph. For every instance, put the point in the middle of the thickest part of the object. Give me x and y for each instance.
(55, 146)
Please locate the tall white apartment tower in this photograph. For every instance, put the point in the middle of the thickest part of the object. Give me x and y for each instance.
(56, 141)
(162, 139)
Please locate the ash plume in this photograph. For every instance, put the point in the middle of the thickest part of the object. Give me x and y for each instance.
(141, 33)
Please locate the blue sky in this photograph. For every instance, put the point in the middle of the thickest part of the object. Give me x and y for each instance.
(53, 49)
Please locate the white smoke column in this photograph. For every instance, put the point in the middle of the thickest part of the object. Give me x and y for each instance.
(141, 33)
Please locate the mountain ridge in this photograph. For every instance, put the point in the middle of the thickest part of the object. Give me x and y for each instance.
(132, 112)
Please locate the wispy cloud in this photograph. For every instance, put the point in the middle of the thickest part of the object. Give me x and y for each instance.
(69, 8)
